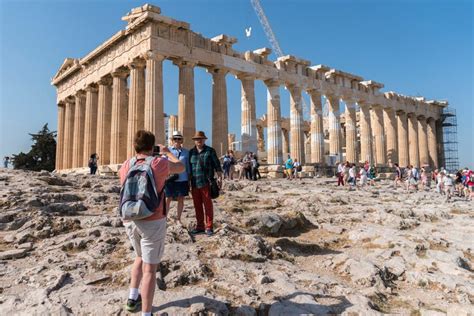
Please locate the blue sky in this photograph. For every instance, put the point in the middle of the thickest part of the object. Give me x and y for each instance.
(414, 47)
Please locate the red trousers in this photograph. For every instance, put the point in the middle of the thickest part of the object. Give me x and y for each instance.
(203, 196)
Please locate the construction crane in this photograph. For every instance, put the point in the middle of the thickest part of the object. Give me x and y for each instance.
(272, 39)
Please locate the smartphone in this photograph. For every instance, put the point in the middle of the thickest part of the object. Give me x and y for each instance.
(156, 150)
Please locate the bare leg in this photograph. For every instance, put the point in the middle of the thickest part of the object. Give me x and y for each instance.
(180, 207)
(136, 275)
(148, 286)
(168, 203)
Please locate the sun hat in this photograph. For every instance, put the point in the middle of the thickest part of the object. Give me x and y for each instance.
(177, 134)
(199, 135)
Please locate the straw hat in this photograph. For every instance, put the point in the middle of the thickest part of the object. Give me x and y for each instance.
(177, 134)
(199, 135)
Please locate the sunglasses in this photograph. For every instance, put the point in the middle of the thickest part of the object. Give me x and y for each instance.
(177, 139)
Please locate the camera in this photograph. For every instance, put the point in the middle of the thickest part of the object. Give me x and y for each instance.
(156, 150)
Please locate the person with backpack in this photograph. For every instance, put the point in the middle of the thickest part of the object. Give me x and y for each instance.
(93, 163)
(177, 185)
(143, 211)
(204, 164)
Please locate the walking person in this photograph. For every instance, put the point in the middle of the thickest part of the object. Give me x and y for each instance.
(228, 162)
(362, 176)
(297, 168)
(203, 165)
(177, 185)
(398, 175)
(289, 168)
(352, 177)
(6, 161)
(147, 235)
(93, 162)
(340, 173)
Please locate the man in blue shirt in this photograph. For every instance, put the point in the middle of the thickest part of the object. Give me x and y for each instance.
(289, 168)
(177, 186)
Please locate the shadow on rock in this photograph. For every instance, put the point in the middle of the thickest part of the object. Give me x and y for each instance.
(297, 248)
(303, 303)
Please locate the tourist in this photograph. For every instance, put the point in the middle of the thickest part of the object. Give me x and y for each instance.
(458, 185)
(470, 184)
(424, 179)
(297, 168)
(439, 182)
(289, 168)
(228, 163)
(352, 177)
(204, 163)
(340, 173)
(6, 161)
(148, 235)
(372, 174)
(448, 184)
(247, 165)
(398, 175)
(177, 185)
(241, 169)
(411, 182)
(362, 176)
(254, 167)
(347, 166)
(93, 160)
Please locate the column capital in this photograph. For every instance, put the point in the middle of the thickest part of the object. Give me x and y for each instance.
(62, 103)
(181, 63)
(70, 99)
(272, 83)
(81, 93)
(105, 81)
(216, 71)
(411, 114)
(92, 88)
(245, 76)
(137, 63)
(400, 112)
(422, 117)
(314, 92)
(121, 72)
(151, 55)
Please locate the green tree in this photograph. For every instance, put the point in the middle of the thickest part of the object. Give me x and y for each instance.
(42, 155)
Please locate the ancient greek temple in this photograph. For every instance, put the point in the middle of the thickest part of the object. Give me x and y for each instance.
(117, 89)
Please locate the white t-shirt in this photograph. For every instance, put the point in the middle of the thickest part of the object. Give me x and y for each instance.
(340, 168)
(448, 181)
(352, 172)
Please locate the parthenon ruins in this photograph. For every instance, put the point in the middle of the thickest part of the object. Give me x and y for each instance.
(117, 89)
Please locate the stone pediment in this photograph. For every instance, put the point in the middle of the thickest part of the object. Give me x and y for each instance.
(67, 64)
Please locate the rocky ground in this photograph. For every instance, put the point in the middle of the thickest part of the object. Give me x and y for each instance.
(281, 248)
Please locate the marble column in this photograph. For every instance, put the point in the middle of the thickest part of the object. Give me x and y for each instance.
(274, 133)
(432, 143)
(413, 140)
(351, 131)
(285, 141)
(260, 139)
(390, 124)
(402, 131)
(90, 126)
(423, 141)
(104, 113)
(118, 130)
(172, 126)
(249, 116)
(60, 137)
(334, 127)
(220, 125)
(365, 133)
(154, 119)
(69, 120)
(379, 135)
(317, 137)
(296, 125)
(136, 103)
(79, 118)
(186, 110)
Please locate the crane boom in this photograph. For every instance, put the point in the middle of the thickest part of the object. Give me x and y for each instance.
(272, 39)
(266, 27)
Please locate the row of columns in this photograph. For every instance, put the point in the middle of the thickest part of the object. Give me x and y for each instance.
(105, 116)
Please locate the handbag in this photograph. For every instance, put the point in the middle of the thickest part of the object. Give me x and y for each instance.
(213, 188)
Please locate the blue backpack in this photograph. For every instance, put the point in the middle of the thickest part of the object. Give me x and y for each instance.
(138, 196)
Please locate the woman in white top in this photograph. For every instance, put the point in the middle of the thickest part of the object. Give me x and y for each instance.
(363, 176)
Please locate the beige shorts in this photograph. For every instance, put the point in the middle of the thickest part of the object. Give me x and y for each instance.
(147, 238)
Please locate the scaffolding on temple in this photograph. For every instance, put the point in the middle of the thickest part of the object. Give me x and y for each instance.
(449, 125)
